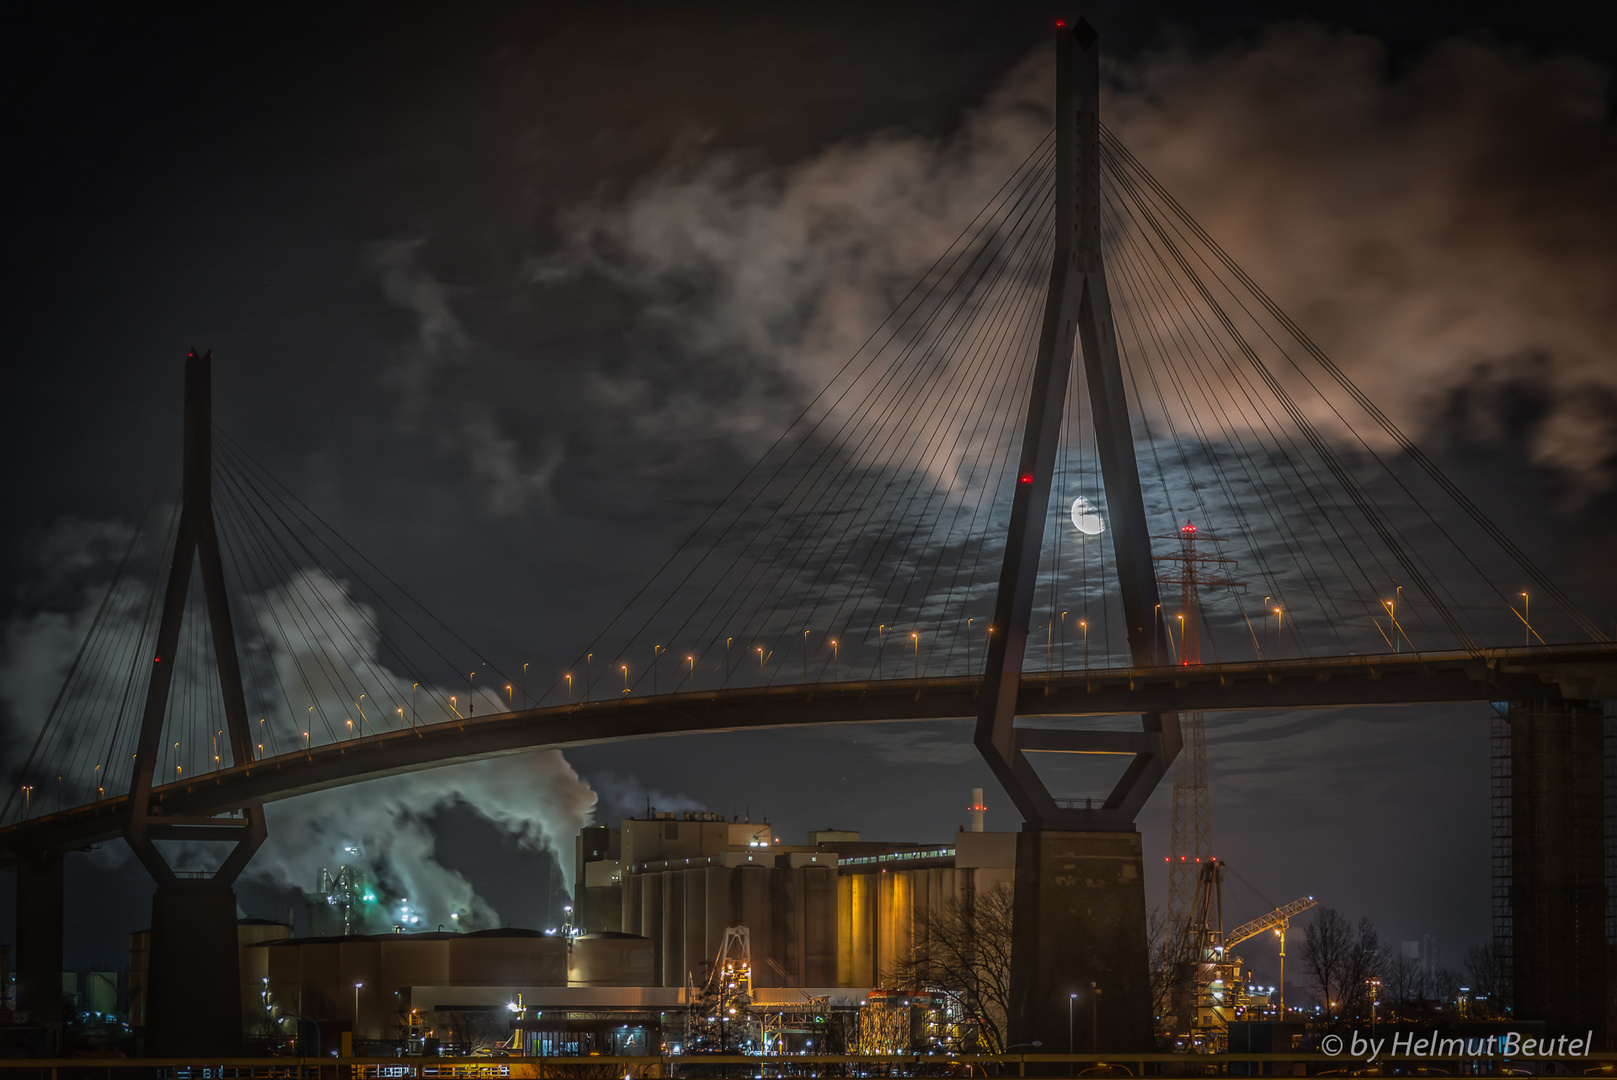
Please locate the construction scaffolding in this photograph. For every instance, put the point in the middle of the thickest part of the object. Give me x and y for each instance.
(719, 1018)
(1503, 872)
(902, 1022)
(1190, 837)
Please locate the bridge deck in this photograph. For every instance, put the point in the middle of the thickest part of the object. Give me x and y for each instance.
(1553, 674)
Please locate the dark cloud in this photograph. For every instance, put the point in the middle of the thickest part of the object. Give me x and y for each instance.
(1432, 226)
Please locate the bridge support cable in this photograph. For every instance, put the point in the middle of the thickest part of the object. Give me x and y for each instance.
(337, 632)
(1267, 323)
(1209, 414)
(889, 429)
(819, 431)
(1163, 297)
(103, 656)
(855, 495)
(909, 541)
(355, 659)
(1347, 483)
(321, 634)
(1134, 283)
(833, 486)
(324, 547)
(1404, 444)
(855, 547)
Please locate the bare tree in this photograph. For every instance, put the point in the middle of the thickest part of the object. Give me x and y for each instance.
(1406, 982)
(1173, 979)
(1365, 962)
(1486, 969)
(965, 947)
(1326, 944)
(1341, 961)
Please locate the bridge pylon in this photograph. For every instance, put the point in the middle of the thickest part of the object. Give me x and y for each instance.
(193, 982)
(1079, 925)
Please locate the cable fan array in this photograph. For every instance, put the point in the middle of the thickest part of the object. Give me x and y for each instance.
(866, 543)
(331, 649)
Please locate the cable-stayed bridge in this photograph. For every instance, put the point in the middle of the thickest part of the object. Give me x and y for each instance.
(964, 521)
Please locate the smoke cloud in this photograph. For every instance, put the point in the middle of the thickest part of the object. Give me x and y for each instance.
(1445, 227)
(622, 795)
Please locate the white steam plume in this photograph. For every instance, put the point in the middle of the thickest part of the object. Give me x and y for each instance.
(381, 827)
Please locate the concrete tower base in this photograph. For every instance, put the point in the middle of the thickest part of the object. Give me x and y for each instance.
(1080, 920)
(1558, 842)
(39, 942)
(193, 1005)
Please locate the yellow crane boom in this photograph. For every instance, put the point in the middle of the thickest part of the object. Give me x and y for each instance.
(1276, 918)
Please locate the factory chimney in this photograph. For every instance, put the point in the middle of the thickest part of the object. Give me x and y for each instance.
(977, 809)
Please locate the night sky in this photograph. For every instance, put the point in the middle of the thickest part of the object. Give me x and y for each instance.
(386, 222)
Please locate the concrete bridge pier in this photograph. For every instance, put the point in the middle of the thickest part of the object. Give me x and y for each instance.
(193, 975)
(1078, 927)
(39, 941)
(1558, 890)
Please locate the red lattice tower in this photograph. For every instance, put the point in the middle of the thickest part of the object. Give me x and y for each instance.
(1190, 838)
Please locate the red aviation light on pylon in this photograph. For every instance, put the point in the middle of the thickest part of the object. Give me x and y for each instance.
(1061, 24)
(1187, 527)
(1027, 478)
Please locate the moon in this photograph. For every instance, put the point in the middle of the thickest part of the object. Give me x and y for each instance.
(1086, 517)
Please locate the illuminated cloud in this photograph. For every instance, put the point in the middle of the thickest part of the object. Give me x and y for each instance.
(1443, 231)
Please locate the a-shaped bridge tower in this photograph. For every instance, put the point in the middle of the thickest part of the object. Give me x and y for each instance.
(1080, 875)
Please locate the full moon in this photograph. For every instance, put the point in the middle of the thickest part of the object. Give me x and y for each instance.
(1086, 517)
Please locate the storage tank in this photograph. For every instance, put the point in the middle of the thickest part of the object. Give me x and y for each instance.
(610, 958)
(507, 957)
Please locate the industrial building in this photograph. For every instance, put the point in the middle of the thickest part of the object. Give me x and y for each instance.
(655, 897)
(835, 913)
